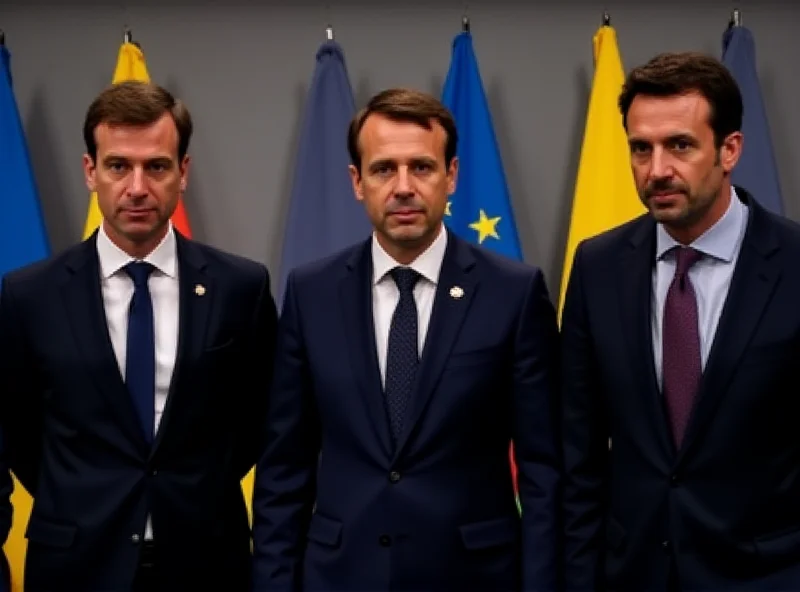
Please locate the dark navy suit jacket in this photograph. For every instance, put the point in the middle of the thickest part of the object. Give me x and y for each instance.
(722, 512)
(338, 507)
(73, 439)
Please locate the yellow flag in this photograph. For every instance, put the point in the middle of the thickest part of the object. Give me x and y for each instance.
(130, 66)
(605, 193)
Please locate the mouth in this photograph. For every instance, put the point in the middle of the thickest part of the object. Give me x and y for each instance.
(405, 213)
(664, 198)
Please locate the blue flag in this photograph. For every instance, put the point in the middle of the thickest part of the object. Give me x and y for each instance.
(756, 170)
(23, 238)
(324, 215)
(480, 209)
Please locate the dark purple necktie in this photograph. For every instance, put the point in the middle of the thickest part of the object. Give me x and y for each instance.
(682, 367)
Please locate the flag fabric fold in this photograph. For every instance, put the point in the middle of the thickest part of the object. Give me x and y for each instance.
(324, 215)
(756, 170)
(480, 209)
(23, 240)
(605, 193)
(131, 65)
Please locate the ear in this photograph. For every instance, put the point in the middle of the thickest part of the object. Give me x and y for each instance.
(184, 168)
(355, 178)
(452, 176)
(89, 172)
(730, 151)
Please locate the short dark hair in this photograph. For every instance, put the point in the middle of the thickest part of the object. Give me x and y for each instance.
(680, 73)
(136, 103)
(407, 105)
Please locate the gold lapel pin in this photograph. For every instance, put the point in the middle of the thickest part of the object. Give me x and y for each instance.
(456, 292)
(199, 289)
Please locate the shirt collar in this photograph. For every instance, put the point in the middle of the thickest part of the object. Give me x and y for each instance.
(112, 258)
(719, 241)
(428, 264)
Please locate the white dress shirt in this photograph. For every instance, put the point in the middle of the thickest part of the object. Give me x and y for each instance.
(385, 294)
(117, 289)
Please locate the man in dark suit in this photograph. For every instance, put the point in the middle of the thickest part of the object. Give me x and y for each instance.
(135, 371)
(681, 334)
(405, 366)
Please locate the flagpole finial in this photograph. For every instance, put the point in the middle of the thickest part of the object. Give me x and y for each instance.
(329, 33)
(2, 38)
(465, 24)
(736, 18)
(127, 36)
(606, 19)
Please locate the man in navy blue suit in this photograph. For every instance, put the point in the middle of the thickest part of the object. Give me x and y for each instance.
(681, 335)
(134, 373)
(406, 364)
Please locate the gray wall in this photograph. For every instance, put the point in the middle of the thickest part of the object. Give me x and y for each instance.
(244, 70)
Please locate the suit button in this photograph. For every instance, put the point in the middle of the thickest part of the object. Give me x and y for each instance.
(385, 540)
(394, 476)
(666, 546)
(135, 539)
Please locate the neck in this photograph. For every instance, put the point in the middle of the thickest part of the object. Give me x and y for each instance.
(406, 253)
(688, 234)
(136, 249)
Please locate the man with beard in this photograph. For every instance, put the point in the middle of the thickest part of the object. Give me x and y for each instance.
(405, 366)
(680, 336)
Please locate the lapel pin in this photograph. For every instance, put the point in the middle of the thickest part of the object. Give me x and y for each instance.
(456, 292)
(199, 289)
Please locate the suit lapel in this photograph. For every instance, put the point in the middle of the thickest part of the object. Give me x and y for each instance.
(196, 292)
(355, 293)
(83, 300)
(635, 299)
(447, 316)
(752, 285)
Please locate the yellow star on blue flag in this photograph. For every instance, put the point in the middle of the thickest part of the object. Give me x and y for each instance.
(482, 212)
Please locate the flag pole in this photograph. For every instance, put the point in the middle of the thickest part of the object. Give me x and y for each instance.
(329, 32)
(465, 24)
(2, 38)
(736, 18)
(606, 19)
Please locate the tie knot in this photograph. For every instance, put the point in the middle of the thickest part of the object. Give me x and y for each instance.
(139, 272)
(405, 278)
(685, 257)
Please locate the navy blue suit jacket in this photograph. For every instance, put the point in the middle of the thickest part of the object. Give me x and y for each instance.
(722, 510)
(73, 439)
(337, 507)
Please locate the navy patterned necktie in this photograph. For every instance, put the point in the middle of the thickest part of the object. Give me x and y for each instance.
(402, 356)
(682, 365)
(140, 357)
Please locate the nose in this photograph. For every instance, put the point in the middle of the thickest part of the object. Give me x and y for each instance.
(137, 186)
(402, 186)
(660, 165)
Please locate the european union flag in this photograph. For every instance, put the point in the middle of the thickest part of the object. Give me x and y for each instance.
(480, 209)
(324, 215)
(756, 170)
(23, 238)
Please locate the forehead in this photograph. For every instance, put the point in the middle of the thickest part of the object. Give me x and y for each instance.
(382, 137)
(653, 117)
(159, 137)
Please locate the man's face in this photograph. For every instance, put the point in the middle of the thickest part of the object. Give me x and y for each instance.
(679, 172)
(138, 179)
(404, 181)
